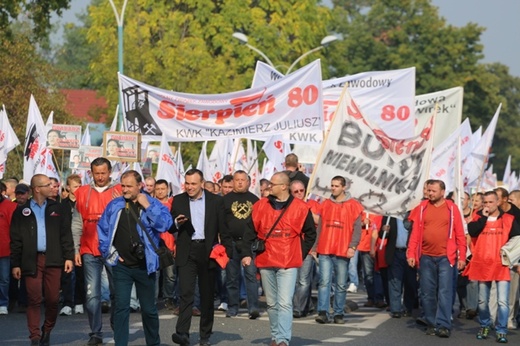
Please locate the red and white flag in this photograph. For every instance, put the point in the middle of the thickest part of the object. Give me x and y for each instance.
(8, 139)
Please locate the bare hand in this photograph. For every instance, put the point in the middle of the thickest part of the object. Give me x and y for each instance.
(350, 252)
(143, 200)
(17, 273)
(485, 211)
(181, 219)
(461, 264)
(373, 253)
(246, 261)
(411, 262)
(386, 228)
(77, 260)
(67, 268)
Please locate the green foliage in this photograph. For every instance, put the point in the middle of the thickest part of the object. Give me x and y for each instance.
(24, 73)
(187, 46)
(393, 34)
(38, 12)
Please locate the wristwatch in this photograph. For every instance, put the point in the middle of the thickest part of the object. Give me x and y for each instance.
(353, 248)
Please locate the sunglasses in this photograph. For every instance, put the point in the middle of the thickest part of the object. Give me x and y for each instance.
(298, 191)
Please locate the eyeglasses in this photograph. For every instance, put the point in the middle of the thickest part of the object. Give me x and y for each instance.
(46, 185)
(298, 191)
(273, 184)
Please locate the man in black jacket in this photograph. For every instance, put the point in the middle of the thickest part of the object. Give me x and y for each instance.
(41, 246)
(198, 220)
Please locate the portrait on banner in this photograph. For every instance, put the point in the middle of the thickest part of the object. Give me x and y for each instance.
(66, 137)
(122, 146)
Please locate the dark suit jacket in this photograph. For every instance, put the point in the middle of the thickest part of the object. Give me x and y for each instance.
(392, 238)
(214, 223)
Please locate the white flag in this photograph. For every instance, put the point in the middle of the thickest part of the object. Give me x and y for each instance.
(506, 180)
(274, 150)
(252, 161)
(36, 154)
(8, 139)
(167, 168)
(479, 155)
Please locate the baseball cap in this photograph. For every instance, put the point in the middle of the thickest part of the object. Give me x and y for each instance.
(21, 188)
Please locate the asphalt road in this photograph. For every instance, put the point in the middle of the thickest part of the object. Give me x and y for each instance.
(366, 326)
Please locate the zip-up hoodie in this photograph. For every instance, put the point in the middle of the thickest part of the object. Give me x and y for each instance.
(456, 237)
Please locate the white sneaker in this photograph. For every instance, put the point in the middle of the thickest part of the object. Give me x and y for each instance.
(66, 311)
(3, 310)
(352, 288)
(78, 309)
(222, 307)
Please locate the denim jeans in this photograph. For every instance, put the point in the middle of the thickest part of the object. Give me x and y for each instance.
(401, 275)
(233, 274)
(5, 275)
(472, 295)
(92, 267)
(353, 276)
(169, 279)
(503, 307)
(279, 290)
(436, 280)
(367, 264)
(303, 290)
(124, 279)
(328, 263)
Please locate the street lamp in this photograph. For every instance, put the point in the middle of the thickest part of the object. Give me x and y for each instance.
(243, 38)
(120, 19)
(324, 42)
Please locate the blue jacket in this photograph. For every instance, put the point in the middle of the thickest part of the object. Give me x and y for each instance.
(156, 219)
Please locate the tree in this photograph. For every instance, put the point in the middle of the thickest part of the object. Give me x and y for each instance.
(38, 11)
(24, 72)
(187, 45)
(393, 34)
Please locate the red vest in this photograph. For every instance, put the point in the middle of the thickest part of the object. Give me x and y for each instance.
(337, 226)
(486, 265)
(91, 204)
(167, 237)
(6, 213)
(283, 248)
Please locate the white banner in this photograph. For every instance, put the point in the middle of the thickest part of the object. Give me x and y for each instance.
(384, 174)
(385, 97)
(444, 157)
(293, 103)
(449, 112)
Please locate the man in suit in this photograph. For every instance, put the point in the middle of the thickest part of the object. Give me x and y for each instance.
(198, 218)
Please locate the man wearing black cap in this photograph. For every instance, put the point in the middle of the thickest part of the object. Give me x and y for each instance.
(22, 193)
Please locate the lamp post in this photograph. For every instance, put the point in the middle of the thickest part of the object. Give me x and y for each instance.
(120, 18)
(324, 42)
(243, 38)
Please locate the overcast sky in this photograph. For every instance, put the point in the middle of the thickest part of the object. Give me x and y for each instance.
(500, 18)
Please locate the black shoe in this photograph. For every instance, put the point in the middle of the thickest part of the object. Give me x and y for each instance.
(470, 314)
(35, 342)
(231, 314)
(46, 339)
(421, 321)
(254, 315)
(395, 315)
(105, 307)
(431, 331)
(94, 341)
(407, 314)
(322, 318)
(296, 314)
(243, 303)
(182, 340)
(443, 333)
(338, 319)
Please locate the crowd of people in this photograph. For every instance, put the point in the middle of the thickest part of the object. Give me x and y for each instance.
(56, 246)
